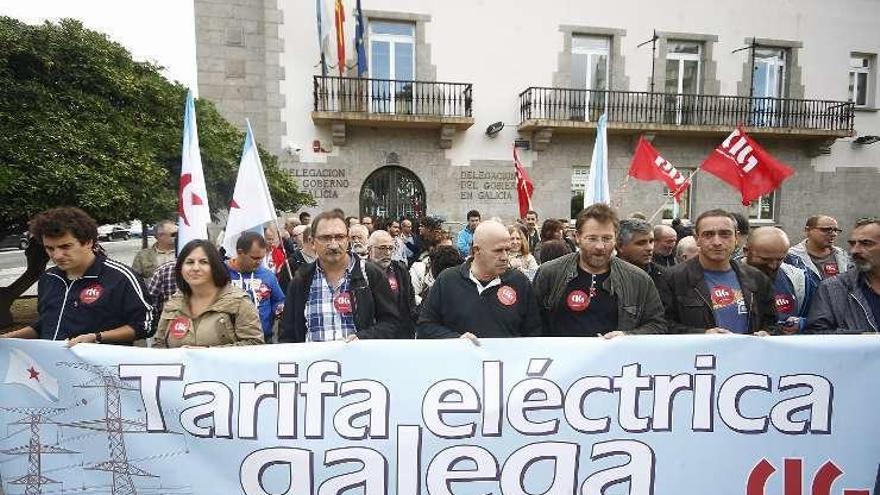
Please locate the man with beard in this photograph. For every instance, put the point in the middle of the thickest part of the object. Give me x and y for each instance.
(483, 297)
(358, 234)
(665, 238)
(531, 222)
(714, 294)
(635, 244)
(765, 250)
(591, 293)
(381, 246)
(850, 302)
(339, 296)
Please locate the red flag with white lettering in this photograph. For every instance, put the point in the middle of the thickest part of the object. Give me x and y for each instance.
(745, 165)
(648, 165)
(524, 186)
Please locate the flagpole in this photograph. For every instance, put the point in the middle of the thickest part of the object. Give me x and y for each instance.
(678, 190)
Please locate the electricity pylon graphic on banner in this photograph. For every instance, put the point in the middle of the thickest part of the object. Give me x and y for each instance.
(115, 427)
(34, 480)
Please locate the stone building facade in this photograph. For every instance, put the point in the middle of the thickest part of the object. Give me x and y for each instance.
(543, 73)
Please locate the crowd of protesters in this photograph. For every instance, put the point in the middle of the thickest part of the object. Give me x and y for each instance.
(338, 277)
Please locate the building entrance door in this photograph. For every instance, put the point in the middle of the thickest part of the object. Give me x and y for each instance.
(392, 192)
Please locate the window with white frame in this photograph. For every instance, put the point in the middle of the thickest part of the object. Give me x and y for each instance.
(763, 208)
(590, 70)
(768, 85)
(683, 73)
(392, 60)
(579, 178)
(860, 67)
(679, 209)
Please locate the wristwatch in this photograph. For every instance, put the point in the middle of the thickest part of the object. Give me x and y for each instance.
(98, 339)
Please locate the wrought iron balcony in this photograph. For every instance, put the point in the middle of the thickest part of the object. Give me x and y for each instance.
(342, 101)
(557, 109)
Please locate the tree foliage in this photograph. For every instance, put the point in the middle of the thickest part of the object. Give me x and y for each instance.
(83, 124)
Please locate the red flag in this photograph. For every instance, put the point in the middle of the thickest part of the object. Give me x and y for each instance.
(340, 37)
(648, 165)
(745, 165)
(524, 186)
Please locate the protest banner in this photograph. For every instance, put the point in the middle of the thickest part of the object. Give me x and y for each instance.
(633, 415)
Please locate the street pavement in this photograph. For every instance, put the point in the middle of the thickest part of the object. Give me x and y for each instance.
(13, 262)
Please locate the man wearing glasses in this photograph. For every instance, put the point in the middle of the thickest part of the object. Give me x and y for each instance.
(591, 293)
(162, 251)
(850, 302)
(817, 252)
(381, 250)
(338, 297)
(711, 293)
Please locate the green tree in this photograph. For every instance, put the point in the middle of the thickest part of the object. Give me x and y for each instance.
(83, 124)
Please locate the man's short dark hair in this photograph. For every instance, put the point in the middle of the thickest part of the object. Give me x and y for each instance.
(742, 223)
(334, 214)
(247, 240)
(717, 212)
(472, 214)
(57, 222)
(303, 215)
(444, 257)
(532, 212)
(550, 227)
(432, 222)
(219, 274)
(599, 212)
(551, 250)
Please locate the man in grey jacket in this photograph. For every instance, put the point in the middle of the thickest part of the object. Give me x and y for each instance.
(592, 293)
(850, 302)
(817, 252)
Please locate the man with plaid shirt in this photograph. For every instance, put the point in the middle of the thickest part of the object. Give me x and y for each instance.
(339, 296)
(161, 286)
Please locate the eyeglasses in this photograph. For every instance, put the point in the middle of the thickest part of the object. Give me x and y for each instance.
(596, 240)
(384, 249)
(325, 239)
(828, 230)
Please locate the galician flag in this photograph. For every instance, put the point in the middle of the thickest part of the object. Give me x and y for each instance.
(24, 370)
(251, 204)
(597, 190)
(192, 195)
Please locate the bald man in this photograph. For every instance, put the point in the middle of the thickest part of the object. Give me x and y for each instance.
(483, 297)
(381, 249)
(665, 238)
(766, 249)
(686, 249)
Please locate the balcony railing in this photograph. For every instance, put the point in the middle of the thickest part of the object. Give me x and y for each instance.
(392, 97)
(652, 109)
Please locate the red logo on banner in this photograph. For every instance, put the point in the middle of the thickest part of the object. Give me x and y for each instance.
(179, 327)
(830, 269)
(784, 303)
(91, 293)
(577, 301)
(392, 281)
(722, 295)
(264, 291)
(507, 295)
(342, 303)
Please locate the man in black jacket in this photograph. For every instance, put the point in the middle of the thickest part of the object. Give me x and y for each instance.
(338, 297)
(711, 293)
(85, 297)
(381, 248)
(483, 297)
(591, 293)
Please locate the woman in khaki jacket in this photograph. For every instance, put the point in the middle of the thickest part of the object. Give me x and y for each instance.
(206, 310)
